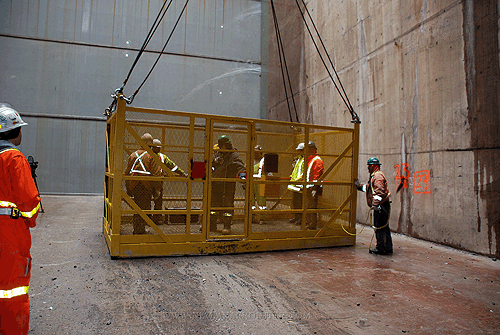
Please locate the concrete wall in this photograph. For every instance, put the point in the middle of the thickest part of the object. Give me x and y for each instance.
(61, 60)
(424, 78)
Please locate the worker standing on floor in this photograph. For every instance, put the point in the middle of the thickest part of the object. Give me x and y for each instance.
(313, 173)
(377, 197)
(19, 207)
(140, 163)
(225, 164)
(158, 186)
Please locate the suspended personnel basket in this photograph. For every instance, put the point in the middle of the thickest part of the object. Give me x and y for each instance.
(176, 210)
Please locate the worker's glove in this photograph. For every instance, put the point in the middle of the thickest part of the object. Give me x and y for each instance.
(218, 160)
(376, 208)
(358, 185)
(185, 175)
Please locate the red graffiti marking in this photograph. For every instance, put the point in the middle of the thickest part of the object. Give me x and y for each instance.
(422, 182)
(401, 176)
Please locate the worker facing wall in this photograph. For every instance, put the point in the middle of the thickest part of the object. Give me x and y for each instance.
(212, 191)
(423, 77)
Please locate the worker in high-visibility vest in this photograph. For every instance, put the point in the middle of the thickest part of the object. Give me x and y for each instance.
(140, 163)
(258, 168)
(378, 199)
(19, 206)
(158, 186)
(313, 173)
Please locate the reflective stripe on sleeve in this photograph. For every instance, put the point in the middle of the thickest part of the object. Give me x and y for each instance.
(6, 294)
(27, 215)
(295, 188)
(377, 197)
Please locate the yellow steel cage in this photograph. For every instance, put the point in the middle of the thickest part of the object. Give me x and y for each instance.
(179, 212)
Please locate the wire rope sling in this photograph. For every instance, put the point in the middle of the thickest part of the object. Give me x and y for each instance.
(159, 18)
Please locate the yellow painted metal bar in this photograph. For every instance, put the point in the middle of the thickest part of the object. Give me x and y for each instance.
(354, 176)
(209, 153)
(232, 119)
(190, 181)
(339, 158)
(336, 214)
(145, 217)
(119, 129)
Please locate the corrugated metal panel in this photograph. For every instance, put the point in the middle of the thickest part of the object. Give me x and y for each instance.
(70, 153)
(67, 57)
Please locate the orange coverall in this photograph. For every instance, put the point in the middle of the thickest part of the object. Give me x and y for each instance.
(17, 189)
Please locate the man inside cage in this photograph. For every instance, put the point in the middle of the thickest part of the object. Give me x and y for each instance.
(314, 170)
(225, 164)
(259, 197)
(140, 163)
(158, 186)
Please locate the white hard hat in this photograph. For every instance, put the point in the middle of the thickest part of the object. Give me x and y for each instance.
(156, 143)
(300, 146)
(9, 118)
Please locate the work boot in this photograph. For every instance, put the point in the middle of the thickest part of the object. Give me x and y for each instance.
(376, 251)
(226, 231)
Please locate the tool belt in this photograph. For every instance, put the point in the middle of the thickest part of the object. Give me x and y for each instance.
(13, 212)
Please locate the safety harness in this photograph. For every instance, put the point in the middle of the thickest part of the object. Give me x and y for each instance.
(139, 160)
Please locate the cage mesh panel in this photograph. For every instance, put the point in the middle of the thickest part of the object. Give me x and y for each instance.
(182, 142)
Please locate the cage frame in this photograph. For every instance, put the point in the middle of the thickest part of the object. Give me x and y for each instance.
(129, 246)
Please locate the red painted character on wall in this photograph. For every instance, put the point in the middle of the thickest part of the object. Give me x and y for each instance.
(19, 206)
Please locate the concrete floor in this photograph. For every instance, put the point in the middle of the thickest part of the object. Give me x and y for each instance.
(423, 288)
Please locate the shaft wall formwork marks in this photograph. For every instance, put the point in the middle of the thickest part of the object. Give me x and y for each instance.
(65, 58)
(424, 79)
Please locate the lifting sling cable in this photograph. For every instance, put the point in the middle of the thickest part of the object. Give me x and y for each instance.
(355, 117)
(131, 98)
(281, 53)
(327, 54)
(151, 32)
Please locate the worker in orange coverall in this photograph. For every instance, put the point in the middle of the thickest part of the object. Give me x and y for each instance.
(19, 206)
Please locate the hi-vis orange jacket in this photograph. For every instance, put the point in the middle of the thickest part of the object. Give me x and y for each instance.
(18, 192)
(314, 172)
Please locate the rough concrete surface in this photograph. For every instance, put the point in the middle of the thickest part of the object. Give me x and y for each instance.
(424, 78)
(422, 289)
